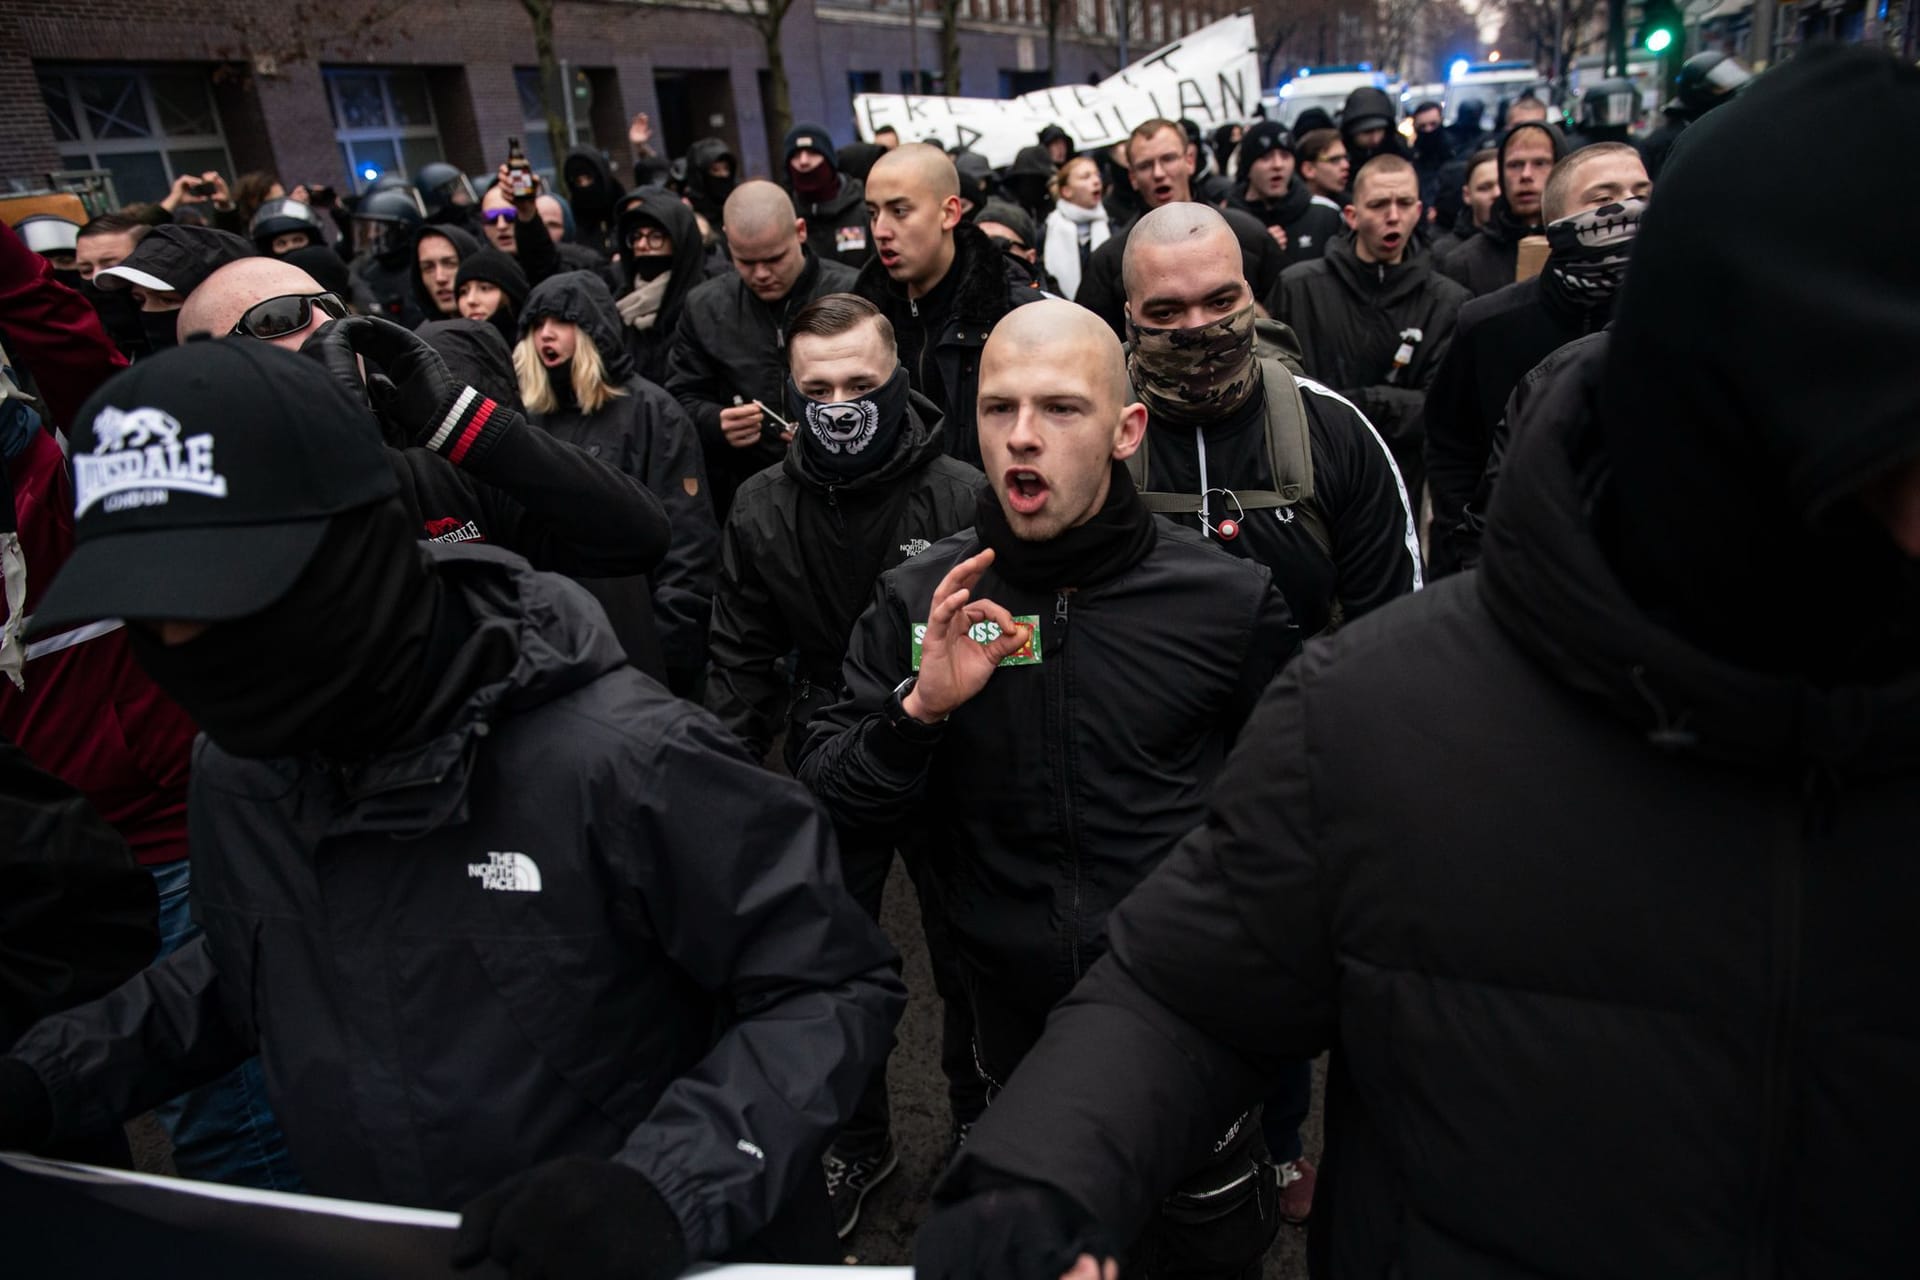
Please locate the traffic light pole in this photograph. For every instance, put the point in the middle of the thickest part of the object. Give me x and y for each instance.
(1616, 60)
(1762, 50)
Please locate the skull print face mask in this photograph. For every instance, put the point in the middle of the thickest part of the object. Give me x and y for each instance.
(851, 437)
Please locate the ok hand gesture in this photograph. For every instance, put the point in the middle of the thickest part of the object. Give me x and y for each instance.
(953, 665)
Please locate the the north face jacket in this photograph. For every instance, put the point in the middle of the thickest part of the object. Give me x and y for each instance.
(574, 921)
(1353, 320)
(799, 558)
(945, 366)
(837, 229)
(1044, 800)
(1310, 227)
(729, 344)
(645, 434)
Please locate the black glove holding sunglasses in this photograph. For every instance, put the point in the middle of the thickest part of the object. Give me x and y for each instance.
(417, 398)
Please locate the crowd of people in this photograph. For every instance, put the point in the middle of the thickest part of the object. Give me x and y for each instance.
(474, 656)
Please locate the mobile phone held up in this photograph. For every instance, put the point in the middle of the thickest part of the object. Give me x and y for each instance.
(519, 173)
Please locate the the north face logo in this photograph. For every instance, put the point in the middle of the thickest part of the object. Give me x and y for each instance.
(506, 873)
(139, 459)
(914, 546)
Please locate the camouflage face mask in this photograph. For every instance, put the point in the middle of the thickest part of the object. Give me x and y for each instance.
(1191, 375)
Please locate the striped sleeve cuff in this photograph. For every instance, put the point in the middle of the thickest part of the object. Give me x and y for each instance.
(469, 428)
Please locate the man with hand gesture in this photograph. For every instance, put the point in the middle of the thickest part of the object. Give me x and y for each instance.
(1040, 704)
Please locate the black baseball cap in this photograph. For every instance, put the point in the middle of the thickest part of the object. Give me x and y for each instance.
(175, 259)
(214, 471)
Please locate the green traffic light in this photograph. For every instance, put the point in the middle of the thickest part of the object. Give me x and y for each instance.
(1658, 40)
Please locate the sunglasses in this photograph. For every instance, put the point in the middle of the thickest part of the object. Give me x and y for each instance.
(500, 215)
(288, 313)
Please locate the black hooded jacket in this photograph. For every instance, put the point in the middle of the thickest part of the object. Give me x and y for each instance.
(1352, 319)
(732, 344)
(1674, 868)
(1104, 293)
(708, 193)
(1499, 337)
(1310, 227)
(491, 266)
(464, 243)
(837, 228)
(575, 920)
(595, 193)
(799, 558)
(941, 351)
(1489, 260)
(648, 347)
(645, 434)
(1372, 105)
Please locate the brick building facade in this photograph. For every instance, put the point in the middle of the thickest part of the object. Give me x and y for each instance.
(324, 90)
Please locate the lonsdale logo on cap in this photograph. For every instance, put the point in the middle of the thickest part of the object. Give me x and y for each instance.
(139, 459)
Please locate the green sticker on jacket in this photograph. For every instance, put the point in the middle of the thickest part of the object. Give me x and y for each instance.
(986, 633)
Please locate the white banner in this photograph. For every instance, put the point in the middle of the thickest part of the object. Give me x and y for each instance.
(1211, 77)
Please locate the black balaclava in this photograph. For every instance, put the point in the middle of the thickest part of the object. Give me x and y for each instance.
(120, 316)
(161, 329)
(851, 437)
(1758, 376)
(342, 665)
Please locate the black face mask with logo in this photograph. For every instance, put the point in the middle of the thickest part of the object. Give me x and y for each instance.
(850, 438)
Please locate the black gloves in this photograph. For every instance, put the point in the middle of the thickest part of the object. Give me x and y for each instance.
(26, 1112)
(1022, 1232)
(573, 1219)
(418, 399)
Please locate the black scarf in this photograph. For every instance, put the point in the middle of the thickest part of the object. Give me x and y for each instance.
(849, 438)
(343, 665)
(1117, 537)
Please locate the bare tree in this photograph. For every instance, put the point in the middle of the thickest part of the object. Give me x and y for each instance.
(768, 17)
(949, 47)
(1053, 8)
(1298, 28)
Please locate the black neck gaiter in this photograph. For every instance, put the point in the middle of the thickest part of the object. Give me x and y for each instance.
(120, 314)
(1118, 537)
(341, 666)
(851, 437)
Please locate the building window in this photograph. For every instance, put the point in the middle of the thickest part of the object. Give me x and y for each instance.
(146, 126)
(534, 140)
(383, 121)
(859, 82)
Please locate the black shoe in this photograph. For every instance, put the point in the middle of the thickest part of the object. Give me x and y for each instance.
(853, 1173)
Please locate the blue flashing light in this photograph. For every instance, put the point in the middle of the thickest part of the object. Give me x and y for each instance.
(1458, 69)
(1366, 66)
(370, 173)
(1306, 71)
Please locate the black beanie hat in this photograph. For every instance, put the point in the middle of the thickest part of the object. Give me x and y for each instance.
(494, 267)
(809, 137)
(1268, 135)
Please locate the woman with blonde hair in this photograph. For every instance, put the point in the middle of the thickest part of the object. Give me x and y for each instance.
(1078, 224)
(578, 382)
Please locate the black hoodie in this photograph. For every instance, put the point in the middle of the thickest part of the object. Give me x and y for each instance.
(464, 244)
(645, 434)
(595, 195)
(1373, 108)
(1488, 261)
(798, 562)
(1310, 227)
(648, 347)
(708, 193)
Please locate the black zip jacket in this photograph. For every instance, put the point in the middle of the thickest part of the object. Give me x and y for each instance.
(1375, 554)
(1044, 800)
(78, 916)
(1310, 227)
(1625, 898)
(1352, 317)
(1498, 339)
(646, 435)
(576, 920)
(798, 561)
(729, 344)
(1104, 293)
(837, 229)
(945, 366)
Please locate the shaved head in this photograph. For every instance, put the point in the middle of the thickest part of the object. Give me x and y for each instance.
(758, 209)
(1173, 224)
(928, 170)
(1067, 335)
(216, 306)
(1053, 416)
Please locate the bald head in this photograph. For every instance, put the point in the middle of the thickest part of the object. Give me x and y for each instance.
(1053, 416)
(757, 210)
(217, 305)
(925, 170)
(1173, 226)
(1070, 338)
